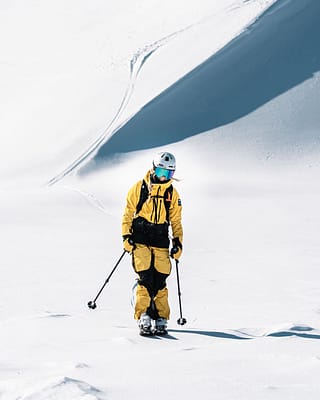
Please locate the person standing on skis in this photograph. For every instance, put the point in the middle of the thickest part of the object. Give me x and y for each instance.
(153, 205)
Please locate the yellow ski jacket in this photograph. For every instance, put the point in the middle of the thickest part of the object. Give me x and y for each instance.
(153, 209)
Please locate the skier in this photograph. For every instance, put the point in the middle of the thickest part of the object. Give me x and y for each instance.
(153, 205)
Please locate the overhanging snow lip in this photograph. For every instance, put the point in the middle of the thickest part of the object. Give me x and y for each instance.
(269, 58)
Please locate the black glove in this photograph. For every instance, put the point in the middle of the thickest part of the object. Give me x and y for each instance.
(128, 243)
(176, 249)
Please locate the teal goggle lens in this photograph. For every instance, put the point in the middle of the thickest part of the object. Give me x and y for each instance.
(162, 172)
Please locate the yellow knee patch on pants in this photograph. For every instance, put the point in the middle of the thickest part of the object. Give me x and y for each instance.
(142, 301)
(161, 260)
(161, 302)
(142, 259)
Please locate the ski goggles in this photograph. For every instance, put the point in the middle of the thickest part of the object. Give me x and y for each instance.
(163, 172)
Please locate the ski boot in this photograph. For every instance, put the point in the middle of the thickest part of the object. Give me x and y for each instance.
(145, 325)
(160, 326)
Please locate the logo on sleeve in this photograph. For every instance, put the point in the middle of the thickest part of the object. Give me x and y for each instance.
(179, 202)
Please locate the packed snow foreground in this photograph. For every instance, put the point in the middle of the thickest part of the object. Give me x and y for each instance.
(231, 88)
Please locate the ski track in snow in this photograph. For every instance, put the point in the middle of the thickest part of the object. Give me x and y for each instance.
(46, 314)
(136, 63)
(91, 199)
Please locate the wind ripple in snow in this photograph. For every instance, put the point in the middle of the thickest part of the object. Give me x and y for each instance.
(283, 330)
(300, 330)
(66, 389)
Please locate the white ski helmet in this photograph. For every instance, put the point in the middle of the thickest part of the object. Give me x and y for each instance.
(165, 160)
(164, 164)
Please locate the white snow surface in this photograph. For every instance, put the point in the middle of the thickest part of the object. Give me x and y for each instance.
(233, 86)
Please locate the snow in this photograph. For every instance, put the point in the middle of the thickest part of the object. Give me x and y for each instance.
(232, 89)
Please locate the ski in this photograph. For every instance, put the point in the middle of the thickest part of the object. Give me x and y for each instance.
(160, 332)
(153, 332)
(145, 332)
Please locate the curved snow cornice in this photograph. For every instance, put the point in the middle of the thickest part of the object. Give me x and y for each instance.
(278, 52)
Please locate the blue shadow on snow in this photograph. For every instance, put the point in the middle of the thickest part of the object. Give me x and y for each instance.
(215, 334)
(278, 52)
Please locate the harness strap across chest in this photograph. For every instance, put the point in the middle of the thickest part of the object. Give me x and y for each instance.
(167, 198)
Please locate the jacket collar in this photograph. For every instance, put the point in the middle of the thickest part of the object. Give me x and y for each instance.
(162, 185)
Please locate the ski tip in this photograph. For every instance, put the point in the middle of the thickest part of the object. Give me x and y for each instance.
(160, 333)
(143, 332)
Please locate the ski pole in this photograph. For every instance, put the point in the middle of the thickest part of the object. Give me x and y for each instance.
(181, 320)
(92, 304)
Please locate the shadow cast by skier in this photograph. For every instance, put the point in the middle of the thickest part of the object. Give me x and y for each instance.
(216, 334)
(235, 336)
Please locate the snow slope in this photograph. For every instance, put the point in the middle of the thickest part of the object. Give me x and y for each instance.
(272, 57)
(249, 185)
(66, 69)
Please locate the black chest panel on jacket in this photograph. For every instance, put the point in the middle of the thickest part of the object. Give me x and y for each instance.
(148, 233)
(144, 193)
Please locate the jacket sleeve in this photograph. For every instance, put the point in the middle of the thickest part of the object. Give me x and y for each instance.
(130, 208)
(175, 212)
